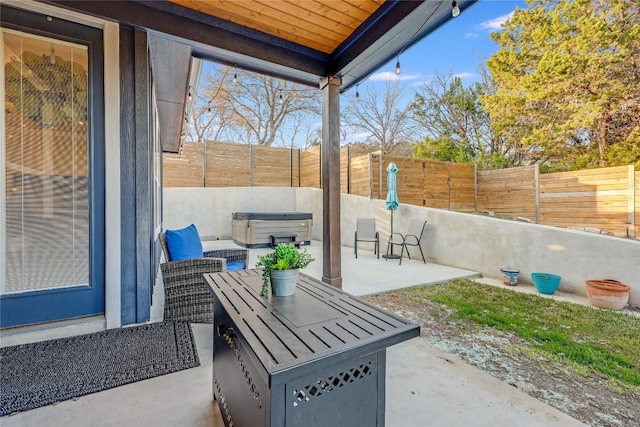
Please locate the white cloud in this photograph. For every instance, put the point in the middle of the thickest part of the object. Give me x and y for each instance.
(387, 75)
(471, 35)
(420, 83)
(463, 75)
(495, 23)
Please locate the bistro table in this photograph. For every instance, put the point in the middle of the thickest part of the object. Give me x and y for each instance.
(316, 358)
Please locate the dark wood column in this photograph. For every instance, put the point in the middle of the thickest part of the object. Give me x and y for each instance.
(136, 155)
(331, 267)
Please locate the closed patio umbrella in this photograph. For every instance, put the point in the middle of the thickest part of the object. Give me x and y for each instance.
(392, 196)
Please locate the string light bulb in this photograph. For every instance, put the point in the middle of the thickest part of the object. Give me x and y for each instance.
(357, 94)
(398, 70)
(189, 97)
(209, 111)
(281, 99)
(235, 77)
(455, 10)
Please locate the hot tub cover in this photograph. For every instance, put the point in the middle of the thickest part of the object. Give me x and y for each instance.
(272, 216)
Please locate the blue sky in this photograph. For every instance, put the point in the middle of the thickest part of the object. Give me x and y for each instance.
(454, 48)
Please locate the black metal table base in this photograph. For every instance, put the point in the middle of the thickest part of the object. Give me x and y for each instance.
(312, 359)
(391, 256)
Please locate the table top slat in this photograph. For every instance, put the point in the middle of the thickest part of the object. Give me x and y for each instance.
(280, 353)
(298, 345)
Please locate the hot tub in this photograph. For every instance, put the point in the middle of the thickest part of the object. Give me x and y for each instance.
(254, 229)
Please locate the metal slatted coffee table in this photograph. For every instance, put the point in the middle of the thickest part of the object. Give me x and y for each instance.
(315, 358)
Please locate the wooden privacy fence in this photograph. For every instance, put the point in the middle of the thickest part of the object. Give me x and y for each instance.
(426, 182)
(223, 164)
(607, 199)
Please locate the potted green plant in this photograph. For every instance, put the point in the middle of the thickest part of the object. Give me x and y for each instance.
(281, 269)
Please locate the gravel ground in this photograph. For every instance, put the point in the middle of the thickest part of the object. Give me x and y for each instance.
(588, 398)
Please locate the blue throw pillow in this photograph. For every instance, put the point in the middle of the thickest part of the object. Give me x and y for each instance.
(184, 243)
(232, 266)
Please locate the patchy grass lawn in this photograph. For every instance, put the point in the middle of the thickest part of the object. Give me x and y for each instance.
(588, 339)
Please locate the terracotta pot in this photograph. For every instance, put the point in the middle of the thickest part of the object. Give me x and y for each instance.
(607, 293)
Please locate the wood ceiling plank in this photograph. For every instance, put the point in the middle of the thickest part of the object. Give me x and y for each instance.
(302, 11)
(286, 13)
(327, 9)
(342, 7)
(369, 6)
(290, 33)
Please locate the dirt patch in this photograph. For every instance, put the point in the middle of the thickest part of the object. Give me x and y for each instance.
(582, 395)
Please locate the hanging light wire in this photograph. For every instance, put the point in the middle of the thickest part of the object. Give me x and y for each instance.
(398, 69)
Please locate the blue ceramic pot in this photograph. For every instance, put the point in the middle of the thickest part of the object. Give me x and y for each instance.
(546, 283)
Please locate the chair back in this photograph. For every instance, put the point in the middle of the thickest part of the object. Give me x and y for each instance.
(416, 228)
(163, 245)
(366, 228)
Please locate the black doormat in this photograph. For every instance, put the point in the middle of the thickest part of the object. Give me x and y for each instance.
(38, 374)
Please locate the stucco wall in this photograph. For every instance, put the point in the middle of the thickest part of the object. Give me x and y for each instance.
(473, 242)
(211, 208)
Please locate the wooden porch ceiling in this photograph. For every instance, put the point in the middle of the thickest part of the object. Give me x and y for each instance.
(317, 24)
(298, 40)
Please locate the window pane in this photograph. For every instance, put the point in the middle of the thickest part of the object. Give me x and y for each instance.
(46, 206)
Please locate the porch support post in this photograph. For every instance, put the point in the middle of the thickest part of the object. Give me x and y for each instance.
(330, 158)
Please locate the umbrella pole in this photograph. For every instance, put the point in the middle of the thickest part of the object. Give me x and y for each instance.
(391, 255)
(391, 230)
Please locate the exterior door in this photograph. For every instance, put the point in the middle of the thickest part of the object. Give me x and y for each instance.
(51, 171)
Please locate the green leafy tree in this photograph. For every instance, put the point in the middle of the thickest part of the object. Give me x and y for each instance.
(568, 76)
(443, 149)
(457, 126)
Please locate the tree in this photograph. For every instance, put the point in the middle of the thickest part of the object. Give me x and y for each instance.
(458, 128)
(210, 116)
(251, 108)
(568, 75)
(382, 117)
(262, 105)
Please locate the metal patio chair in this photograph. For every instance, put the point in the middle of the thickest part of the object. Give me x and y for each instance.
(366, 232)
(412, 238)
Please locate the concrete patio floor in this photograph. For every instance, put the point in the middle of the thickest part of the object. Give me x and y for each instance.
(425, 386)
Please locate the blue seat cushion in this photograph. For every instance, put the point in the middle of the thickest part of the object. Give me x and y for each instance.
(184, 243)
(232, 266)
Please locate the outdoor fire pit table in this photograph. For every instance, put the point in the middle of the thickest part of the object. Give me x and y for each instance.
(316, 358)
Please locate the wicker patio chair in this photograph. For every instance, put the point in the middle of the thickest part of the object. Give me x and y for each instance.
(230, 255)
(186, 297)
